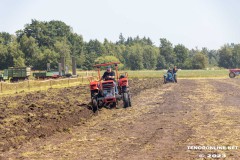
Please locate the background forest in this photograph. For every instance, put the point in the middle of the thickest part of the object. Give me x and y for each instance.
(43, 42)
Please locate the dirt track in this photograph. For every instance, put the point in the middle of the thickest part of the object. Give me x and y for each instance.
(161, 124)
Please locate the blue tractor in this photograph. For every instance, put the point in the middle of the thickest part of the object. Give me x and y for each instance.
(170, 76)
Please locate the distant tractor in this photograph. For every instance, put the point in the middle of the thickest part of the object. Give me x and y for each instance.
(170, 77)
(234, 72)
(104, 94)
(15, 74)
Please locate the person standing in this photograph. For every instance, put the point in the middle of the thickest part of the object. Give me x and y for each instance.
(175, 69)
(175, 73)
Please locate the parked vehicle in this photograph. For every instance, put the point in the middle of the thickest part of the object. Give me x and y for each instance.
(46, 74)
(234, 72)
(61, 71)
(15, 74)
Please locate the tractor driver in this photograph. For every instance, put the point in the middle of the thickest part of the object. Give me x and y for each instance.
(110, 75)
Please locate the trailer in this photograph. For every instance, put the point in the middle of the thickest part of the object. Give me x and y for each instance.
(46, 74)
(50, 75)
(15, 74)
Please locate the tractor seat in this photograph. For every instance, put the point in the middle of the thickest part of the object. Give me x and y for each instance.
(122, 76)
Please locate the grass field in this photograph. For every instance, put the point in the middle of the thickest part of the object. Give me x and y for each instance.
(223, 73)
(38, 85)
(34, 85)
(181, 73)
(160, 73)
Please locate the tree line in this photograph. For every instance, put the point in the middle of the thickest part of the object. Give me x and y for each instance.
(43, 42)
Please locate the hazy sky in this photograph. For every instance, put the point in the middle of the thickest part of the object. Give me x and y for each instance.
(194, 23)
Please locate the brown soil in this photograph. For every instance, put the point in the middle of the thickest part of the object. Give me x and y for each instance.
(41, 114)
(163, 121)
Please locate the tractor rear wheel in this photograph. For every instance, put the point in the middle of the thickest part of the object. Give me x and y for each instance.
(94, 105)
(232, 75)
(126, 101)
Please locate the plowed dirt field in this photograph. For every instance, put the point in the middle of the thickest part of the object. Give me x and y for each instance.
(163, 123)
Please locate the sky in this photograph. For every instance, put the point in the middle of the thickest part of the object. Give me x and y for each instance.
(193, 23)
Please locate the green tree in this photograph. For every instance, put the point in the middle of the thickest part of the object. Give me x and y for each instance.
(166, 50)
(212, 56)
(181, 55)
(63, 50)
(76, 47)
(188, 64)
(46, 33)
(6, 59)
(135, 57)
(5, 38)
(95, 46)
(199, 61)
(225, 56)
(30, 49)
(161, 62)
(121, 39)
(109, 48)
(89, 60)
(41, 42)
(149, 57)
(47, 56)
(236, 56)
(17, 55)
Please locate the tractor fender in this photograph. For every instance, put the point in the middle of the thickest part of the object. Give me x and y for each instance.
(94, 85)
(123, 82)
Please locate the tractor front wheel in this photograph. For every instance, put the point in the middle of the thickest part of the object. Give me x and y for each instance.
(232, 75)
(126, 101)
(94, 105)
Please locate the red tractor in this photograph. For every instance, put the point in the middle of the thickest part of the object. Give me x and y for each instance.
(105, 94)
(234, 72)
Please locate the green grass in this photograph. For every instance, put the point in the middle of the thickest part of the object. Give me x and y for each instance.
(8, 88)
(203, 73)
(38, 85)
(180, 73)
(159, 73)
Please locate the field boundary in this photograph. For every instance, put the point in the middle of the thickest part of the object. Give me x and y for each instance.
(38, 85)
